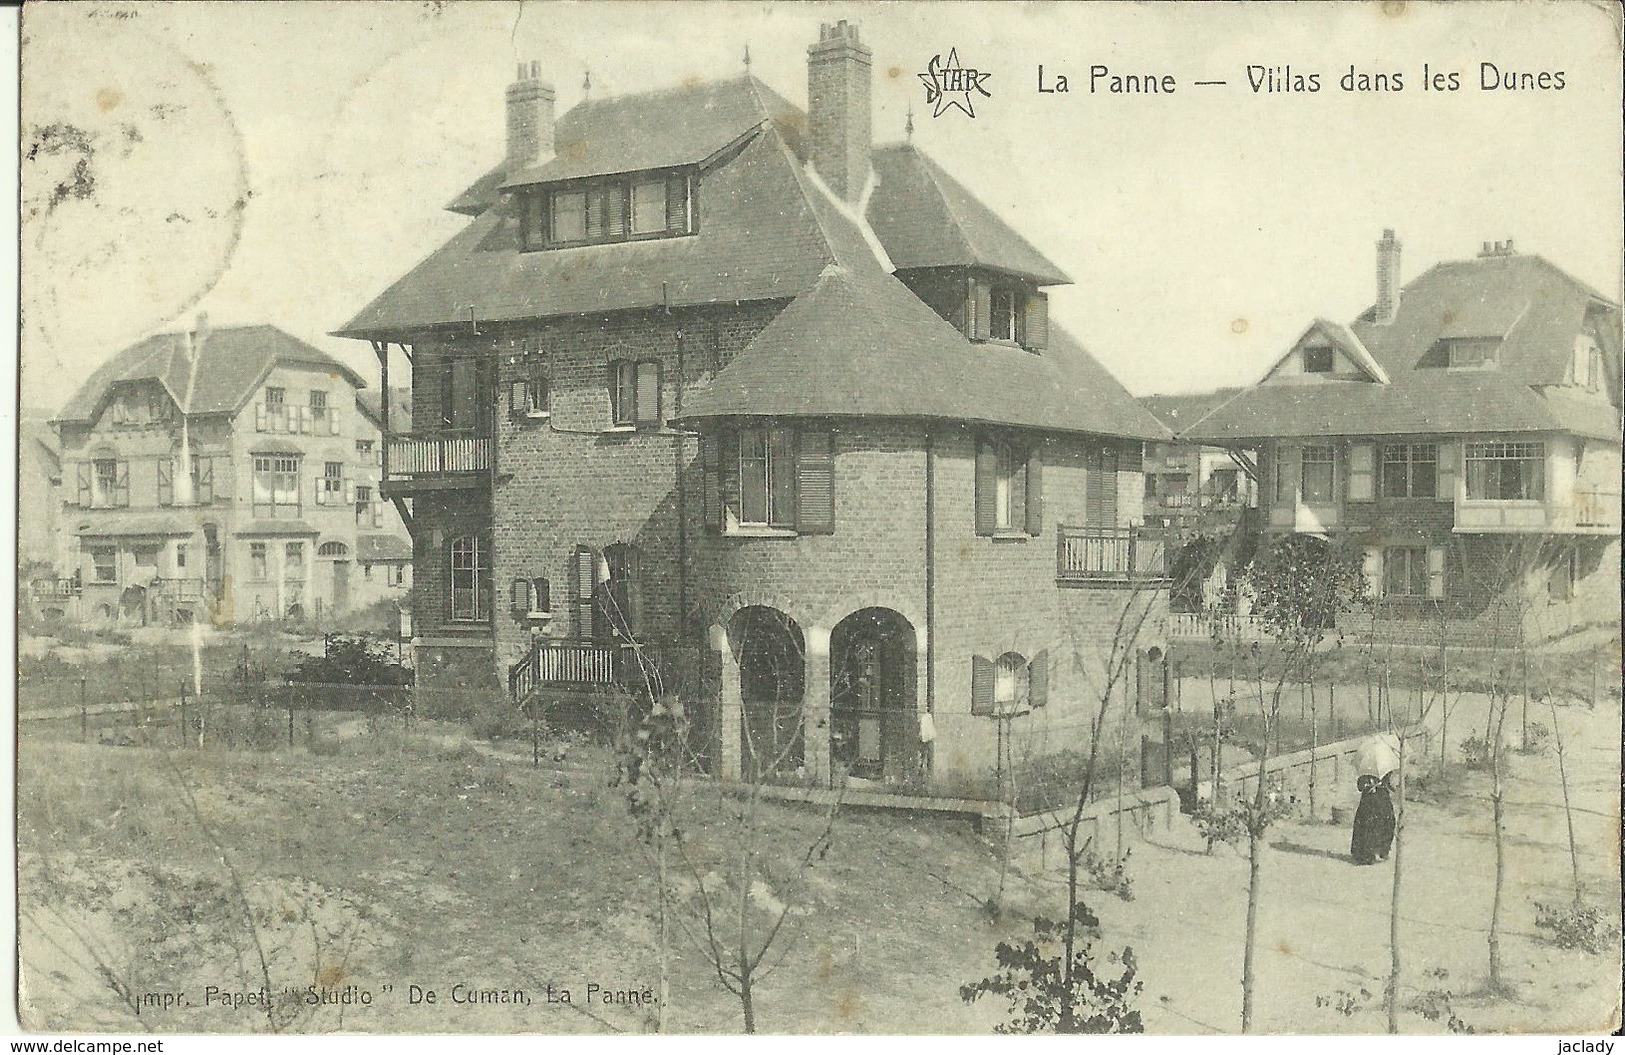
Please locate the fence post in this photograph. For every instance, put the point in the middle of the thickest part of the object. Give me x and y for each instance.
(184, 737)
(84, 713)
(535, 734)
(288, 699)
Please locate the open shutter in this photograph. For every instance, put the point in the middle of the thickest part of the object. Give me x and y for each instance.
(981, 308)
(1035, 490)
(1449, 458)
(122, 496)
(1131, 458)
(1436, 572)
(1362, 458)
(519, 596)
(815, 483)
(517, 397)
(1094, 494)
(710, 493)
(166, 482)
(677, 204)
(583, 573)
(1371, 565)
(1036, 321)
(1108, 487)
(728, 476)
(981, 686)
(648, 409)
(1038, 680)
(987, 471)
(83, 492)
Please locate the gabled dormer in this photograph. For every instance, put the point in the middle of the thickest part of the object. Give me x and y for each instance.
(1325, 352)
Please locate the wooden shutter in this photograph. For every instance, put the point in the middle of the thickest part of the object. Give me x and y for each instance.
(1093, 494)
(981, 309)
(710, 485)
(541, 595)
(987, 472)
(1362, 469)
(1035, 490)
(519, 595)
(595, 213)
(166, 482)
(648, 399)
(1038, 680)
(1436, 572)
(1132, 458)
(1445, 473)
(518, 397)
(981, 686)
(728, 475)
(677, 204)
(1108, 487)
(122, 491)
(815, 482)
(1036, 321)
(615, 212)
(583, 572)
(1371, 565)
(83, 495)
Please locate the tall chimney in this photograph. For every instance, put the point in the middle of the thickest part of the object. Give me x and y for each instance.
(1387, 276)
(839, 72)
(530, 119)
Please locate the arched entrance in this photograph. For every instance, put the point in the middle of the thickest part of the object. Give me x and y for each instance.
(772, 676)
(874, 731)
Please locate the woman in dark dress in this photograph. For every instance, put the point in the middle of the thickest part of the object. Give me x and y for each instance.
(1373, 821)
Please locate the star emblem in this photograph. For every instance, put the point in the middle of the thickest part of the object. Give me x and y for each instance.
(949, 84)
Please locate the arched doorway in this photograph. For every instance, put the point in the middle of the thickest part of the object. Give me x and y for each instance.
(772, 676)
(874, 732)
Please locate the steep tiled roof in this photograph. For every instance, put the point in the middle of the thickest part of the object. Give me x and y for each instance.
(1535, 308)
(373, 548)
(231, 365)
(859, 343)
(400, 407)
(759, 238)
(926, 218)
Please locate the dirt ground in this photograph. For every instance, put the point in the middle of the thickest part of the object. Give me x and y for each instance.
(426, 860)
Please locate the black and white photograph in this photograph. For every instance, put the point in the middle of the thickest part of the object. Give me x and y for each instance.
(632, 518)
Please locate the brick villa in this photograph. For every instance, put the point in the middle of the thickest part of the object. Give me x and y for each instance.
(1465, 432)
(712, 376)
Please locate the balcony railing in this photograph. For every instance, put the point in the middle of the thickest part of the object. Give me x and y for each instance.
(56, 589)
(1086, 554)
(563, 662)
(442, 453)
(1596, 509)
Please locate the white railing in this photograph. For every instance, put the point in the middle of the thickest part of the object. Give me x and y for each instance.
(1109, 553)
(1596, 509)
(412, 455)
(564, 663)
(1203, 625)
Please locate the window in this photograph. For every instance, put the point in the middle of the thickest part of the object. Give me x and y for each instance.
(112, 483)
(1319, 474)
(1318, 359)
(1010, 682)
(276, 397)
(1474, 353)
(529, 393)
(366, 510)
(293, 561)
(1405, 572)
(621, 594)
(610, 210)
(180, 556)
(276, 486)
(400, 574)
(461, 382)
(257, 565)
(1506, 471)
(104, 565)
(1003, 485)
(1410, 470)
(470, 579)
(1005, 314)
(767, 478)
(364, 450)
(330, 490)
(634, 393)
(1009, 489)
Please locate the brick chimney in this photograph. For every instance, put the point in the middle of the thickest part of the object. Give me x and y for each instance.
(1498, 249)
(839, 72)
(1387, 276)
(530, 119)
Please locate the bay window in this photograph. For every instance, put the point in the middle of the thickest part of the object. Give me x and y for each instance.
(1502, 471)
(276, 486)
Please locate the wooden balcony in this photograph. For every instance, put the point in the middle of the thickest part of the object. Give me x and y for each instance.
(558, 661)
(57, 589)
(1107, 556)
(436, 462)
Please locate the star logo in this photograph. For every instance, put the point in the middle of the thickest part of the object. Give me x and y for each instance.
(948, 84)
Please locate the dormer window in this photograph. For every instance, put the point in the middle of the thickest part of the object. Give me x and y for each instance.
(1005, 310)
(1005, 324)
(1586, 369)
(1475, 353)
(1318, 359)
(618, 209)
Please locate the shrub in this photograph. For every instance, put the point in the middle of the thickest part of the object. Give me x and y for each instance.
(1109, 874)
(1536, 739)
(1032, 977)
(1434, 1004)
(1581, 927)
(1475, 752)
(352, 660)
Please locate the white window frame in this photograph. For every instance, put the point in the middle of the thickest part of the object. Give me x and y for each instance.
(1304, 461)
(1403, 457)
(468, 557)
(776, 466)
(1012, 682)
(1499, 453)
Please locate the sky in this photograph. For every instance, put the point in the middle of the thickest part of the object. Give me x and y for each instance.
(285, 163)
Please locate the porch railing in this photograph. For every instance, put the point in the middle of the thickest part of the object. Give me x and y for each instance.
(1091, 554)
(56, 589)
(445, 453)
(565, 662)
(175, 590)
